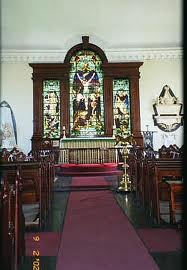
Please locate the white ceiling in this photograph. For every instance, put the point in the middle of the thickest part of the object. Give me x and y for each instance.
(119, 24)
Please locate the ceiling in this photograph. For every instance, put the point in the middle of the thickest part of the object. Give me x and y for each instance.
(119, 24)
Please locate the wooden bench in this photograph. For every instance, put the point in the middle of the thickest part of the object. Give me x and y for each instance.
(173, 151)
(160, 170)
(47, 159)
(12, 225)
(33, 184)
(135, 161)
(38, 176)
(173, 192)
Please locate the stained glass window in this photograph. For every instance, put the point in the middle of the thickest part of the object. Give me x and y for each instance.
(51, 112)
(86, 95)
(121, 107)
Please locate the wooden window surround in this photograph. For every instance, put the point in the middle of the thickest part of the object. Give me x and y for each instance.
(60, 71)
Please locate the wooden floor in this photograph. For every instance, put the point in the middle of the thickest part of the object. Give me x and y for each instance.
(135, 213)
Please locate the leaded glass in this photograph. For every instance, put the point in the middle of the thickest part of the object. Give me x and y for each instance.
(121, 107)
(51, 112)
(86, 95)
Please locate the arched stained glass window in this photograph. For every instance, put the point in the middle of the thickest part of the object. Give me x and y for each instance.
(122, 106)
(86, 95)
(51, 111)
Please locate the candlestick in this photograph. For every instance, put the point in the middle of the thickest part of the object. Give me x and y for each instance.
(64, 131)
(125, 183)
(114, 128)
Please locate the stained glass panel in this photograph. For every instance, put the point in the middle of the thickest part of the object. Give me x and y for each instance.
(86, 95)
(51, 112)
(121, 107)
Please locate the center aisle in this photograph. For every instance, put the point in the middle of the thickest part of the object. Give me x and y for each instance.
(98, 235)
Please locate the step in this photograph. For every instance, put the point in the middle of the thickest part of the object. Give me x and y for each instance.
(87, 167)
(80, 173)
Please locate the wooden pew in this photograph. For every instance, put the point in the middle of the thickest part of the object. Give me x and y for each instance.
(47, 159)
(147, 170)
(142, 166)
(6, 230)
(33, 191)
(38, 175)
(12, 225)
(145, 179)
(173, 151)
(161, 169)
(173, 192)
(176, 198)
(132, 162)
(135, 162)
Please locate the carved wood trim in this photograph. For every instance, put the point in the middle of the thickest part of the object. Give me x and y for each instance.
(85, 45)
(111, 71)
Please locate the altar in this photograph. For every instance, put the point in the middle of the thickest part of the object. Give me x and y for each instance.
(88, 150)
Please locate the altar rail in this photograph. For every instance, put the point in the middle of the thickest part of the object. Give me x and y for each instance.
(96, 142)
(88, 155)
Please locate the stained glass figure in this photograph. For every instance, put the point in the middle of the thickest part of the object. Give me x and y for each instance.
(51, 112)
(86, 95)
(8, 130)
(121, 107)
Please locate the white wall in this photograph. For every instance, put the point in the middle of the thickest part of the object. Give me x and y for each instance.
(59, 24)
(154, 75)
(54, 26)
(17, 90)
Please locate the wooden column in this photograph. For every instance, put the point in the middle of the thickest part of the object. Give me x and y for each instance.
(108, 106)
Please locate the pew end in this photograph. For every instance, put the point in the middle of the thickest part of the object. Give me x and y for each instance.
(171, 197)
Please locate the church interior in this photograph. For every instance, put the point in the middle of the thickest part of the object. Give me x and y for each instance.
(91, 135)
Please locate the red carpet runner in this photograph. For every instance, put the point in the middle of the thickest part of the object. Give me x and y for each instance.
(98, 236)
(89, 181)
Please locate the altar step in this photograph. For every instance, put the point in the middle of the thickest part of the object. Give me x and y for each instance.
(88, 169)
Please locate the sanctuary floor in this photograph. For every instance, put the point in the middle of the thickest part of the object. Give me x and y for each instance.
(169, 260)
